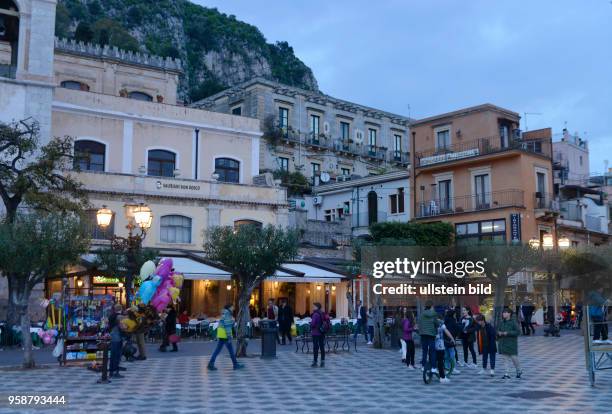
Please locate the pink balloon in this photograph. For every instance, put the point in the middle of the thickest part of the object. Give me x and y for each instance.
(164, 268)
(47, 339)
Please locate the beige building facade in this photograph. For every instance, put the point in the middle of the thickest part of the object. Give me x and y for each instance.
(475, 169)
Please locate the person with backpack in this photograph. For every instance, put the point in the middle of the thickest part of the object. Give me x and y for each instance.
(450, 348)
(320, 325)
(224, 338)
(428, 326)
(507, 338)
(487, 346)
(444, 339)
(468, 336)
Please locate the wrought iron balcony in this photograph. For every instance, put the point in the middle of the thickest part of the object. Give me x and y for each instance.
(470, 203)
(317, 141)
(399, 157)
(546, 201)
(375, 152)
(346, 147)
(479, 147)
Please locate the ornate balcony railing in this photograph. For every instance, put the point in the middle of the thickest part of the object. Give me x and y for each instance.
(470, 203)
(478, 147)
(399, 157)
(373, 151)
(546, 201)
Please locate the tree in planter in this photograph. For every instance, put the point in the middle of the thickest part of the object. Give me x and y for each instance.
(34, 247)
(31, 175)
(271, 131)
(501, 261)
(297, 184)
(253, 253)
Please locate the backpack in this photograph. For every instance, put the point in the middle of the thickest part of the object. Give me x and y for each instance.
(439, 344)
(325, 326)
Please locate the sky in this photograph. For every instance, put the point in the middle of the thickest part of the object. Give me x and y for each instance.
(551, 59)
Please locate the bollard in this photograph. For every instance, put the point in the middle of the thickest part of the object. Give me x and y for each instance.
(104, 379)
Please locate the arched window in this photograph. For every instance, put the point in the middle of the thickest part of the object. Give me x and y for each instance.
(175, 229)
(9, 33)
(228, 170)
(161, 163)
(140, 96)
(372, 207)
(76, 85)
(89, 155)
(247, 222)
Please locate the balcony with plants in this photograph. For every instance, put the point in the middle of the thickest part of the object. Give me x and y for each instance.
(470, 203)
(480, 147)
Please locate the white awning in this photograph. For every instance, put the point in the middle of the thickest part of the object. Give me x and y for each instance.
(194, 270)
(310, 274)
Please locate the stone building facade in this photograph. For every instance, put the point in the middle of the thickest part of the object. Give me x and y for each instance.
(316, 134)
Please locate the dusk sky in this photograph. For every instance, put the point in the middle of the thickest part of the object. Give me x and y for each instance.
(421, 58)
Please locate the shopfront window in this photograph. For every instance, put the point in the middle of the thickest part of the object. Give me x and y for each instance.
(481, 231)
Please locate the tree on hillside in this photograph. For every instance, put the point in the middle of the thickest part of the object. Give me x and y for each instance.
(32, 175)
(33, 247)
(253, 253)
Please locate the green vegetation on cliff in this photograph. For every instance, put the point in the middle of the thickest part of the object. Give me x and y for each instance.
(217, 50)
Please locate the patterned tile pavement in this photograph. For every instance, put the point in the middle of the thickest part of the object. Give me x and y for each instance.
(367, 381)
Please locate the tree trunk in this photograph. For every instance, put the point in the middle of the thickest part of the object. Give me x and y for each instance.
(500, 298)
(243, 317)
(26, 337)
(12, 312)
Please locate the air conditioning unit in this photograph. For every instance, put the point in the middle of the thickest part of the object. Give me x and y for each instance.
(317, 200)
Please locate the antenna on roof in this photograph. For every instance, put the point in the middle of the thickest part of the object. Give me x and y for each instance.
(525, 117)
(408, 110)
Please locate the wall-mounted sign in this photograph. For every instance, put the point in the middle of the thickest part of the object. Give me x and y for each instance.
(105, 280)
(175, 186)
(515, 228)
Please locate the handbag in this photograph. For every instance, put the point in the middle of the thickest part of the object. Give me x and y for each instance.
(174, 339)
(59, 348)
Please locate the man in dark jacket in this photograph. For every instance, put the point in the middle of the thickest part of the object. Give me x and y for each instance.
(428, 329)
(285, 320)
(170, 329)
(487, 345)
(361, 313)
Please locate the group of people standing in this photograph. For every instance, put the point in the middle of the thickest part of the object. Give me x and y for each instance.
(439, 337)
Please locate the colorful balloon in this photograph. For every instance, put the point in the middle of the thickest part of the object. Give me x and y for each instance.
(178, 280)
(147, 290)
(164, 269)
(47, 339)
(174, 293)
(147, 269)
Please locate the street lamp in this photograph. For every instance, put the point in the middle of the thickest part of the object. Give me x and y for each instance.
(139, 219)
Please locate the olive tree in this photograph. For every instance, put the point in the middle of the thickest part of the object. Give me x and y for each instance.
(33, 247)
(252, 253)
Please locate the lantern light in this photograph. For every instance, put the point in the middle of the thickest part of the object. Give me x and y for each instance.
(534, 243)
(104, 217)
(142, 216)
(80, 283)
(548, 241)
(564, 243)
(229, 287)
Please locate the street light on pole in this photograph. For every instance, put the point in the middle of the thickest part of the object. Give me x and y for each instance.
(139, 219)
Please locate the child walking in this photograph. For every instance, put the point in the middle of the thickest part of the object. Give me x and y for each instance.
(507, 334)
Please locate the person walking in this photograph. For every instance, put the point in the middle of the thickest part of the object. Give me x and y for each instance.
(224, 338)
(487, 345)
(408, 327)
(371, 320)
(443, 337)
(285, 320)
(528, 310)
(468, 336)
(507, 334)
(428, 329)
(169, 330)
(450, 346)
(319, 323)
(272, 314)
(362, 321)
(116, 346)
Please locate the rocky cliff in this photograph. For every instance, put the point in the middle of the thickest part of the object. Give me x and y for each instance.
(217, 50)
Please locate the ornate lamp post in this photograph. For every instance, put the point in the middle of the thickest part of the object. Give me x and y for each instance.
(139, 218)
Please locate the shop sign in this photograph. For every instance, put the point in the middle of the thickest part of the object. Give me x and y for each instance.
(177, 186)
(515, 228)
(105, 280)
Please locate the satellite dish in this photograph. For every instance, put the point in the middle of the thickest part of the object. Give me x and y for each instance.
(325, 177)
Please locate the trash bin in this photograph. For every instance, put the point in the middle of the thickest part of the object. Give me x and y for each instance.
(269, 336)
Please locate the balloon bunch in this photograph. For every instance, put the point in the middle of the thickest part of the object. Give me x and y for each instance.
(160, 286)
(47, 336)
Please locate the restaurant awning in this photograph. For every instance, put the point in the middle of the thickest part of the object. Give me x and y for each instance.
(301, 272)
(194, 270)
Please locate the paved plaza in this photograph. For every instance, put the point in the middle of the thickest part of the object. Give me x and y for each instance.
(370, 380)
